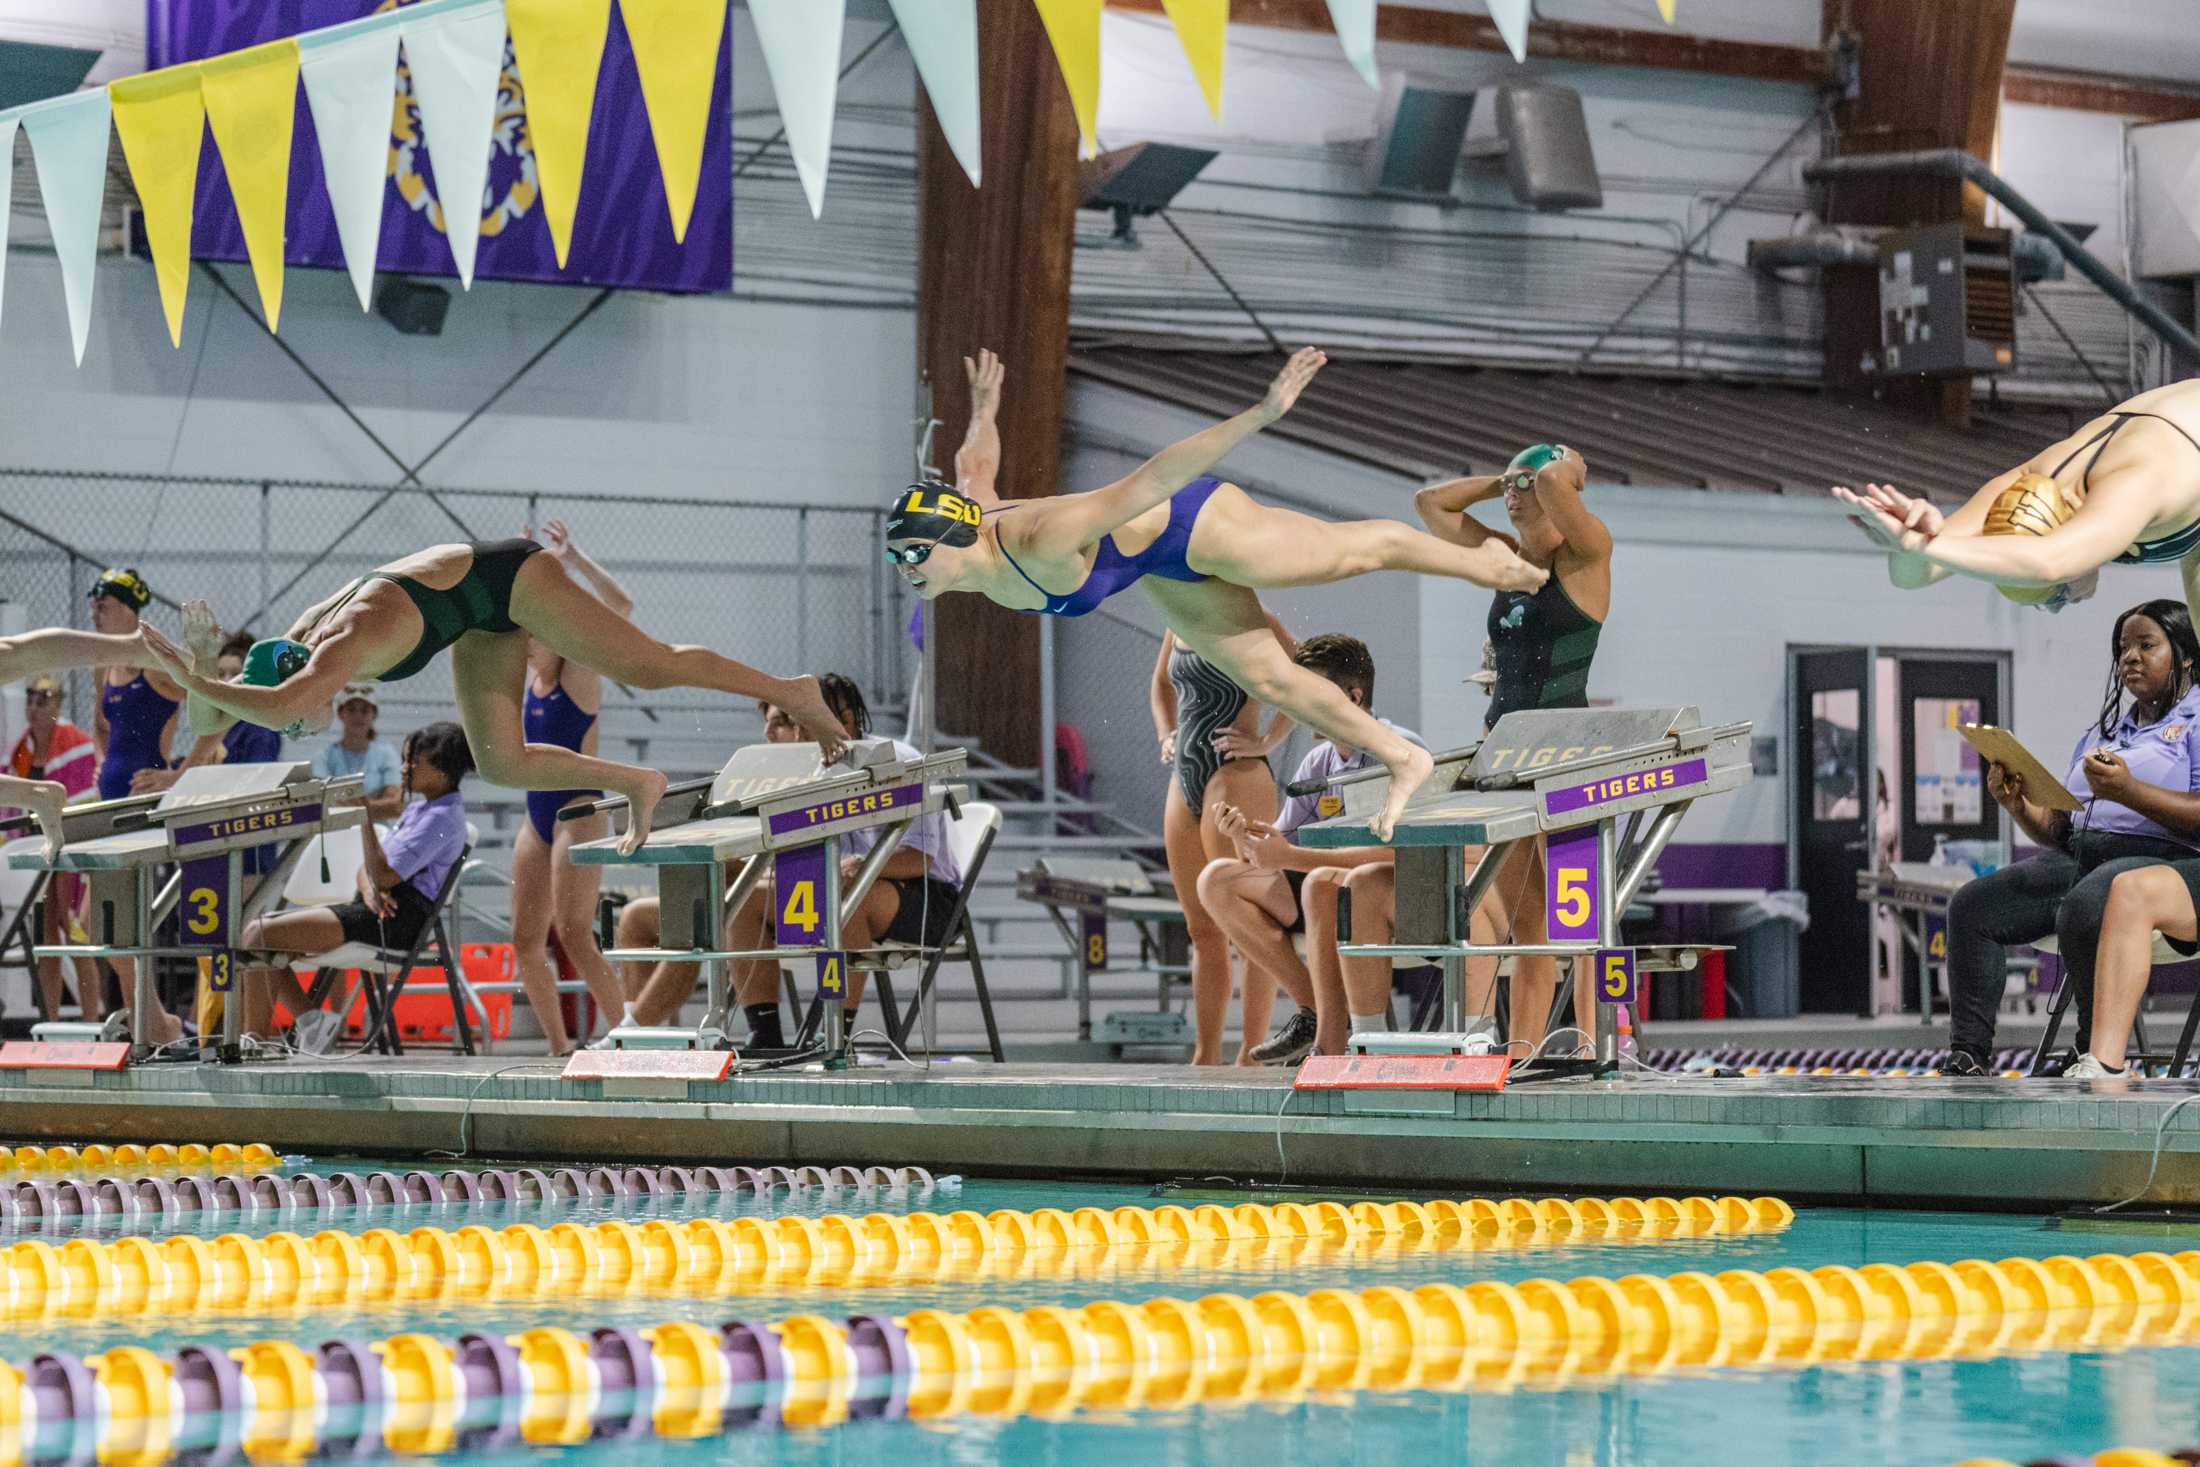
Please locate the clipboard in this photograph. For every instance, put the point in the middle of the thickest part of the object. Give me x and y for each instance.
(2000, 746)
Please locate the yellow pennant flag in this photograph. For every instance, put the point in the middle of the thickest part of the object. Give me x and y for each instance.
(1665, 8)
(676, 52)
(1199, 30)
(558, 45)
(251, 98)
(161, 120)
(1074, 28)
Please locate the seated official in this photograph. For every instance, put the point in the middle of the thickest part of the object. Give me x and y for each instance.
(1277, 887)
(2137, 770)
(910, 902)
(398, 883)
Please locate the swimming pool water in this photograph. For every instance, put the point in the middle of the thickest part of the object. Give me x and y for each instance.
(1923, 1413)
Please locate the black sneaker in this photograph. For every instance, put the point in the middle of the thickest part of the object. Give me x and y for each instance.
(1964, 1065)
(1290, 1044)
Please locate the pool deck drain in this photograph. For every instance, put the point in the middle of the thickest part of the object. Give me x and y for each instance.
(1902, 1141)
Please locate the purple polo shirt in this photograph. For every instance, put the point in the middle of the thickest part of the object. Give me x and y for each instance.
(426, 843)
(1324, 762)
(2165, 752)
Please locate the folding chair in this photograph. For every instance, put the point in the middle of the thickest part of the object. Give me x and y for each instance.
(383, 971)
(971, 837)
(2163, 956)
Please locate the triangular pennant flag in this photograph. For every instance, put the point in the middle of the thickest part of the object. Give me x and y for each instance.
(675, 45)
(456, 57)
(251, 97)
(558, 45)
(1355, 23)
(1665, 8)
(1512, 23)
(1074, 28)
(801, 44)
(7, 195)
(349, 84)
(162, 122)
(943, 41)
(1200, 29)
(69, 145)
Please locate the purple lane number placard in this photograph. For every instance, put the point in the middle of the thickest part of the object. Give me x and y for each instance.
(1570, 886)
(798, 896)
(1615, 976)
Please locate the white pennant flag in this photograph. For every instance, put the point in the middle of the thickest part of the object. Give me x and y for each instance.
(1512, 23)
(943, 41)
(801, 42)
(457, 57)
(69, 144)
(7, 196)
(1355, 23)
(348, 85)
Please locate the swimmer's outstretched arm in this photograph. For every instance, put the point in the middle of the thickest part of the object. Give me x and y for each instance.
(1064, 526)
(304, 696)
(978, 461)
(2116, 514)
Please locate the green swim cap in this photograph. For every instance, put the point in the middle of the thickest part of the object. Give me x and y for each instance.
(273, 661)
(1532, 460)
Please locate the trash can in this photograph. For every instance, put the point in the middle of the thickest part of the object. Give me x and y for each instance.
(1764, 969)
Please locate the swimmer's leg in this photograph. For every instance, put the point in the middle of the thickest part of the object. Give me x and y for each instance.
(1258, 545)
(488, 672)
(1223, 623)
(57, 649)
(573, 623)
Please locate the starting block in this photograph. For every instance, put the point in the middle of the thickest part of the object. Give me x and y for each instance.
(1402, 1072)
(1604, 788)
(777, 808)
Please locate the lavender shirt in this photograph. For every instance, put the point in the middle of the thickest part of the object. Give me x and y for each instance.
(2165, 752)
(927, 833)
(426, 843)
(1323, 762)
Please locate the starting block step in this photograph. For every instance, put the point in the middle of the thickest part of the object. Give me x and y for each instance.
(1403, 1072)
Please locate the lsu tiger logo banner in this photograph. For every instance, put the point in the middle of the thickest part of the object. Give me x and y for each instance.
(622, 233)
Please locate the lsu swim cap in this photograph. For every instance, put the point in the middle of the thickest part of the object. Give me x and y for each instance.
(125, 585)
(272, 661)
(931, 510)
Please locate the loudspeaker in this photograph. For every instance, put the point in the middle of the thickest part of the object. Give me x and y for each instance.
(1548, 160)
(413, 308)
(1419, 128)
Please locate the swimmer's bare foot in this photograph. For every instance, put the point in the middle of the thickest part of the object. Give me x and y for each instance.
(642, 795)
(807, 706)
(44, 799)
(1406, 775)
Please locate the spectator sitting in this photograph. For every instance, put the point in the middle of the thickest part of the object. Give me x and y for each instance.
(1277, 888)
(911, 902)
(357, 751)
(398, 884)
(57, 751)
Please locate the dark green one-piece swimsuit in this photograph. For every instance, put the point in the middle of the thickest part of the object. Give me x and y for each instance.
(480, 602)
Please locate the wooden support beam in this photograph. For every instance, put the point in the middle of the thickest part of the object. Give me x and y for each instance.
(2143, 99)
(993, 268)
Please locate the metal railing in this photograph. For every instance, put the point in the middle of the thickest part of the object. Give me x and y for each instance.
(789, 588)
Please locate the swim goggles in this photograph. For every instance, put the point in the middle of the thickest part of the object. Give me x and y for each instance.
(916, 554)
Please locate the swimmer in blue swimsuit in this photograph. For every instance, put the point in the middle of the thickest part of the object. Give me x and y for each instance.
(2125, 488)
(1200, 547)
(550, 893)
(481, 601)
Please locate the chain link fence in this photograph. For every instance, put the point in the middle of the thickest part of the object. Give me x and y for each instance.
(786, 588)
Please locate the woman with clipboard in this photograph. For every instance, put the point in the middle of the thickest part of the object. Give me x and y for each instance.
(2135, 779)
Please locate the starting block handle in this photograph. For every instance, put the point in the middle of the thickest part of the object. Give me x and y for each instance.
(618, 802)
(1362, 776)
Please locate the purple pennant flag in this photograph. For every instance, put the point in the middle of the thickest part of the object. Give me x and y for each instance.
(622, 233)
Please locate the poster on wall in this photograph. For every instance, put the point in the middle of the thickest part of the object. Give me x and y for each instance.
(622, 232)
(1948, 784)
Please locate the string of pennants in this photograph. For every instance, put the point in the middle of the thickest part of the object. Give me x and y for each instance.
(455, 50)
